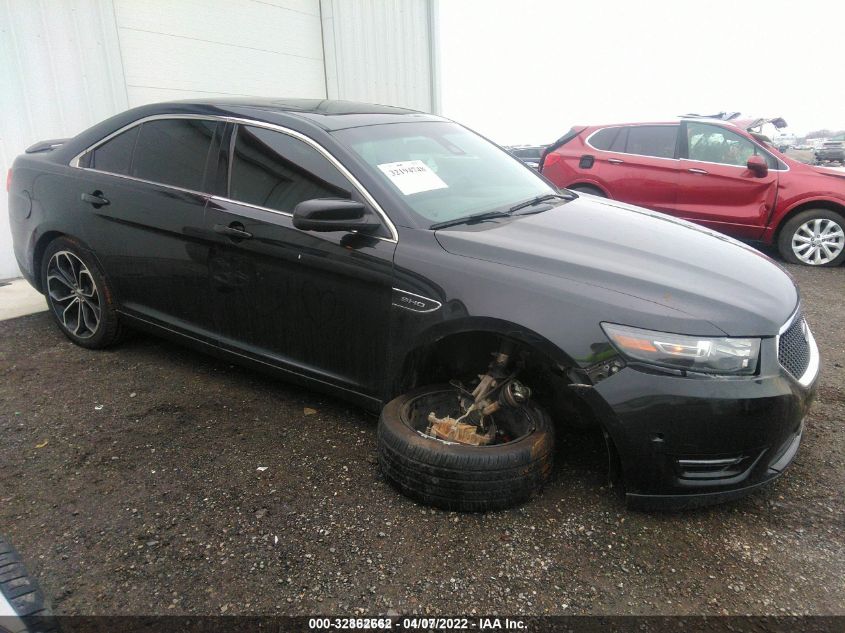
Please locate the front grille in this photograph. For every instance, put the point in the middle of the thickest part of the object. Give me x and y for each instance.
(794, 349)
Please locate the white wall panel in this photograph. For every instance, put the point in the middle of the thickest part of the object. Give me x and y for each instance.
(220, 47)
(241, 23)
(60, 72)
(67, 64)
(153, 60)
(380, 51)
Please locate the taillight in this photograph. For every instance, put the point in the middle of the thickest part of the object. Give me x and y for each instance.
(552, 158)
(9, 180)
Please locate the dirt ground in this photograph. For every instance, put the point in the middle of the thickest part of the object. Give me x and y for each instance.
(150, 479)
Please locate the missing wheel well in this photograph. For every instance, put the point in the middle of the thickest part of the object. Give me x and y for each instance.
(38, 254)
(465, 355)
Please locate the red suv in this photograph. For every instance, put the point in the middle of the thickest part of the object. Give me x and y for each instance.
(711, 172)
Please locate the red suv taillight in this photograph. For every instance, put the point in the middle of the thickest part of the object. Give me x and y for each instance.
(9, 180)
(551, 159)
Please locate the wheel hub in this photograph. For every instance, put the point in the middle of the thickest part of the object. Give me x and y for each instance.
(73, 295)
(818, 241)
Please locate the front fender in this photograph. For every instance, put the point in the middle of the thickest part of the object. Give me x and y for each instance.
(560, 316)
(795, 203)
(514, 331)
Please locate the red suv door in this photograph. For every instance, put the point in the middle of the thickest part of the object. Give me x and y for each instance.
(637, 164)
(716, 188)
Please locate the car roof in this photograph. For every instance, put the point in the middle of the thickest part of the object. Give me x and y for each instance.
(329, 114)
(737, 124)
(674, 121)
(308, 116)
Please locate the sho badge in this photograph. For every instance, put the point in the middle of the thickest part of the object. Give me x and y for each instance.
(414, 302)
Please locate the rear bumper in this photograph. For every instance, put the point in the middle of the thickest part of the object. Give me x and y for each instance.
(690, 441)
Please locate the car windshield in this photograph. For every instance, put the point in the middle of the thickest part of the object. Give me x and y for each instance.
(442, 170)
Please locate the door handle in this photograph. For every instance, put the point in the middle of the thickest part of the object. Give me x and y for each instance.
(615, 161)
(695, 170)
(95, 199)
(235, 230)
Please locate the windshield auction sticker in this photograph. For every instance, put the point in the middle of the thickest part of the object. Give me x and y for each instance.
(412, 176)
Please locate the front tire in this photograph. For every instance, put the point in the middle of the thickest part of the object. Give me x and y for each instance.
(461, 477)
(80, 298)
(815, 237)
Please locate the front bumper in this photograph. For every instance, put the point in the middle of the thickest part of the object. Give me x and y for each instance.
(692, 441)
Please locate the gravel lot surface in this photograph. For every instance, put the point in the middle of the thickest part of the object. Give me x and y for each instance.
(150, 479)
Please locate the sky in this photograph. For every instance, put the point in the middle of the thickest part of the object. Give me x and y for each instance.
(525, 71)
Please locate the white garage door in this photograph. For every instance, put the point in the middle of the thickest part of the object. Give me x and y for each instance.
(67, 65)
(190, 48)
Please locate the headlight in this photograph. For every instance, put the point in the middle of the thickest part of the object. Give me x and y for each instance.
(737, 356)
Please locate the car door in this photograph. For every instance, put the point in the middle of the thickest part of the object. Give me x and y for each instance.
(716, 187)
(143, 193)
(638, 164)
(313, 303)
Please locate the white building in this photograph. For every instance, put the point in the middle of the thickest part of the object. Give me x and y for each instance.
(67, 64)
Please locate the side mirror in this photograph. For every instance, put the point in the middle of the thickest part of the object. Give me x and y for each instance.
(332, 214)
(758, 166)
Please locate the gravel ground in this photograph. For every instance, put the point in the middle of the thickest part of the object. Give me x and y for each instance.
(150, 479)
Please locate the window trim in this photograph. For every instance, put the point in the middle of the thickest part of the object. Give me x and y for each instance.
(368, 197)
(630, 125)
(684, 148)
(231, 159)
(205, 165)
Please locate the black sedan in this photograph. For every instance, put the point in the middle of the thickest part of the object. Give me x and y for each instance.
(401, 261)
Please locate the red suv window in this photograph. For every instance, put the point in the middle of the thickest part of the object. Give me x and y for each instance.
(652, 140)
(644, 140)
(715, 144)
(606, 139)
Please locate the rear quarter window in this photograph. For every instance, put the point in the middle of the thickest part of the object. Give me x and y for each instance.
(115, 155)
(604, 139)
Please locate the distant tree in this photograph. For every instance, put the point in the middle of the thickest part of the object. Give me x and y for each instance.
(825, 133)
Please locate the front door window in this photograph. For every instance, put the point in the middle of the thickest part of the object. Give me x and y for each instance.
(715, 144)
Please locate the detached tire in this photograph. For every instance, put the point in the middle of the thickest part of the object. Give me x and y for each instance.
(22, 593)
(460, 477)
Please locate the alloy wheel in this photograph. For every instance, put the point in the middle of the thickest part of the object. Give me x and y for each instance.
(818, 241)
(73, 295)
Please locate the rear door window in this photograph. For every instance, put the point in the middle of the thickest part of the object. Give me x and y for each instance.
(173, 152)
(652, 140)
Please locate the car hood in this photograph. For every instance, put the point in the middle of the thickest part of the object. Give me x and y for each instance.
(643, 254)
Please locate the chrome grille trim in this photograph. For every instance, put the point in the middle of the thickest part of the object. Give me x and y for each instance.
(804, 373)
